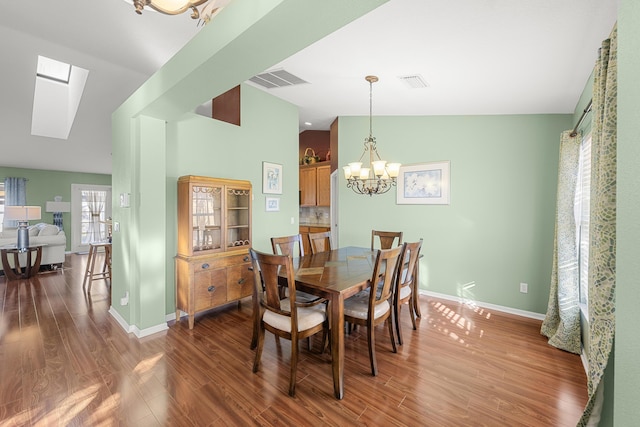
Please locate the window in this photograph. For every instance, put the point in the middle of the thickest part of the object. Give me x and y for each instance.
(93, 228)
(581, 211)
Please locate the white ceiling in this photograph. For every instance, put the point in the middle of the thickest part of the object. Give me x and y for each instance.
(478, 57)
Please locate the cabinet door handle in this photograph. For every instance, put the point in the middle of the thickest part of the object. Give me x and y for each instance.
(241, 281)
(211, 288)
(246, 258)
(205, 266)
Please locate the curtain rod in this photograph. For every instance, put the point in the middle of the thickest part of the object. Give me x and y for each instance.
(587, 109)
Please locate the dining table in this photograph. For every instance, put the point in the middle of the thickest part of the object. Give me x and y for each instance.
(335, 275)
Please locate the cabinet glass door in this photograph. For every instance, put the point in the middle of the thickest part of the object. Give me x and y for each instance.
(238, 230)
(206, 220)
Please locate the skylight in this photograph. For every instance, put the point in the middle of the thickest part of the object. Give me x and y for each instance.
(53, 70)
(58, 90)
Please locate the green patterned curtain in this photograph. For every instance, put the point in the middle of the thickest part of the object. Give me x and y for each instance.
(602, 248)
(562, 322)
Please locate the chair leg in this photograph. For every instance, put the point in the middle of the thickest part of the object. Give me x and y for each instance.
(259, 345)
(294, 367)
(256, 328)
(372, 349)
(392, 334)
(396, 319)
(325, 342)
(412, 313)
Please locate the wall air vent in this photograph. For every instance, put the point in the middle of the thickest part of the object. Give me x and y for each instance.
(276, 78)
(414, 81)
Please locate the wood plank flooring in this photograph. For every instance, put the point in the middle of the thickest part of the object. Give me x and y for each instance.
(65, 361)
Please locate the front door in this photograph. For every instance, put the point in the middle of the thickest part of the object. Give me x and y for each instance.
(90, 208)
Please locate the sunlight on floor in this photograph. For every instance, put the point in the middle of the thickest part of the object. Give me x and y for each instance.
(456, 326)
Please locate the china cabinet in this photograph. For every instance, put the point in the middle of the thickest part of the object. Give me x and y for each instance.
(214, 236)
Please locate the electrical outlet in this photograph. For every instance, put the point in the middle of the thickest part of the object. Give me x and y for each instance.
(125, 299)
(524, 288)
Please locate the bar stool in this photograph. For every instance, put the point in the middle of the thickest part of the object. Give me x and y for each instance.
(89, 274)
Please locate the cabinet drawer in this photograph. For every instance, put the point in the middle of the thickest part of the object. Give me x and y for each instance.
(210, 288)
(221, 262)
(239, 282)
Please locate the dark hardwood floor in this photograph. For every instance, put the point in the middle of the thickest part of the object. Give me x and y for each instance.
(65, 361)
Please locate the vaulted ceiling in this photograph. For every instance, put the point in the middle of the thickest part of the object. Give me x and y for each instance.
(477, 57)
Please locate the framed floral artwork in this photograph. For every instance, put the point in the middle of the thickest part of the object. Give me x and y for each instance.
(424, 184)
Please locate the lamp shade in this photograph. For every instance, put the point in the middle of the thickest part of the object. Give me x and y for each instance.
(58, 207)
(22, 213)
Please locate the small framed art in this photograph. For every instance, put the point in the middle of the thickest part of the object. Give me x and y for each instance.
(272, 204)
(271, 178)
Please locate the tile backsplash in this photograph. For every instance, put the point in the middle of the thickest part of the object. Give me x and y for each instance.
(314, 215)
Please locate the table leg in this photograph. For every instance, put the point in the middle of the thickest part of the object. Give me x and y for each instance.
(8, 271)
(27, 268)
(337, 344)
(36, 265)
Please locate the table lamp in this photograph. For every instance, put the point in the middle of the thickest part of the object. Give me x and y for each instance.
(22, 214)
(57, 207)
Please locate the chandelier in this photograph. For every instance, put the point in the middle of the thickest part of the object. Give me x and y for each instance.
(176, 7)
(379, 176)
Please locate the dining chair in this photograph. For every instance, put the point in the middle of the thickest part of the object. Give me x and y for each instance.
(386, 238)
(287, 318)
(290, 245)
(405, 284)
(320, 242)
(373, 306)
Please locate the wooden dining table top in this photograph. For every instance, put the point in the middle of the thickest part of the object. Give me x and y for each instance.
(343, 271)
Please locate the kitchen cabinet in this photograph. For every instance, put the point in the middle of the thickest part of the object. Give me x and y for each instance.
(315, 185)
(214, 237)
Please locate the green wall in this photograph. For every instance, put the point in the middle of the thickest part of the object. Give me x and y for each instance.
(627, 342)
(208, 147)
(498, 230)
(153, 120)
(44, 185)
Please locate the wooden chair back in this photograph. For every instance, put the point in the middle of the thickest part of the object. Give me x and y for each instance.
(288, 245)
(405, 291)
(320, 242)
(267, 269)
(383, 279)
(387, 238)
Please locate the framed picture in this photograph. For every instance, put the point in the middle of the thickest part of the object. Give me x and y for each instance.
(271, 178)
(424, 184)
(272, 204)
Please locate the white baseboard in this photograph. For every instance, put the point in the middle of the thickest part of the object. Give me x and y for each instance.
(132, 329)
(504, 309)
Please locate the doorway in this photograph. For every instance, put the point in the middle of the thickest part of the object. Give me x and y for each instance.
(90, 208)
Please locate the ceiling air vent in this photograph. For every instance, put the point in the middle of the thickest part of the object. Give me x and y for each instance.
(277, 78)
(414, 81)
